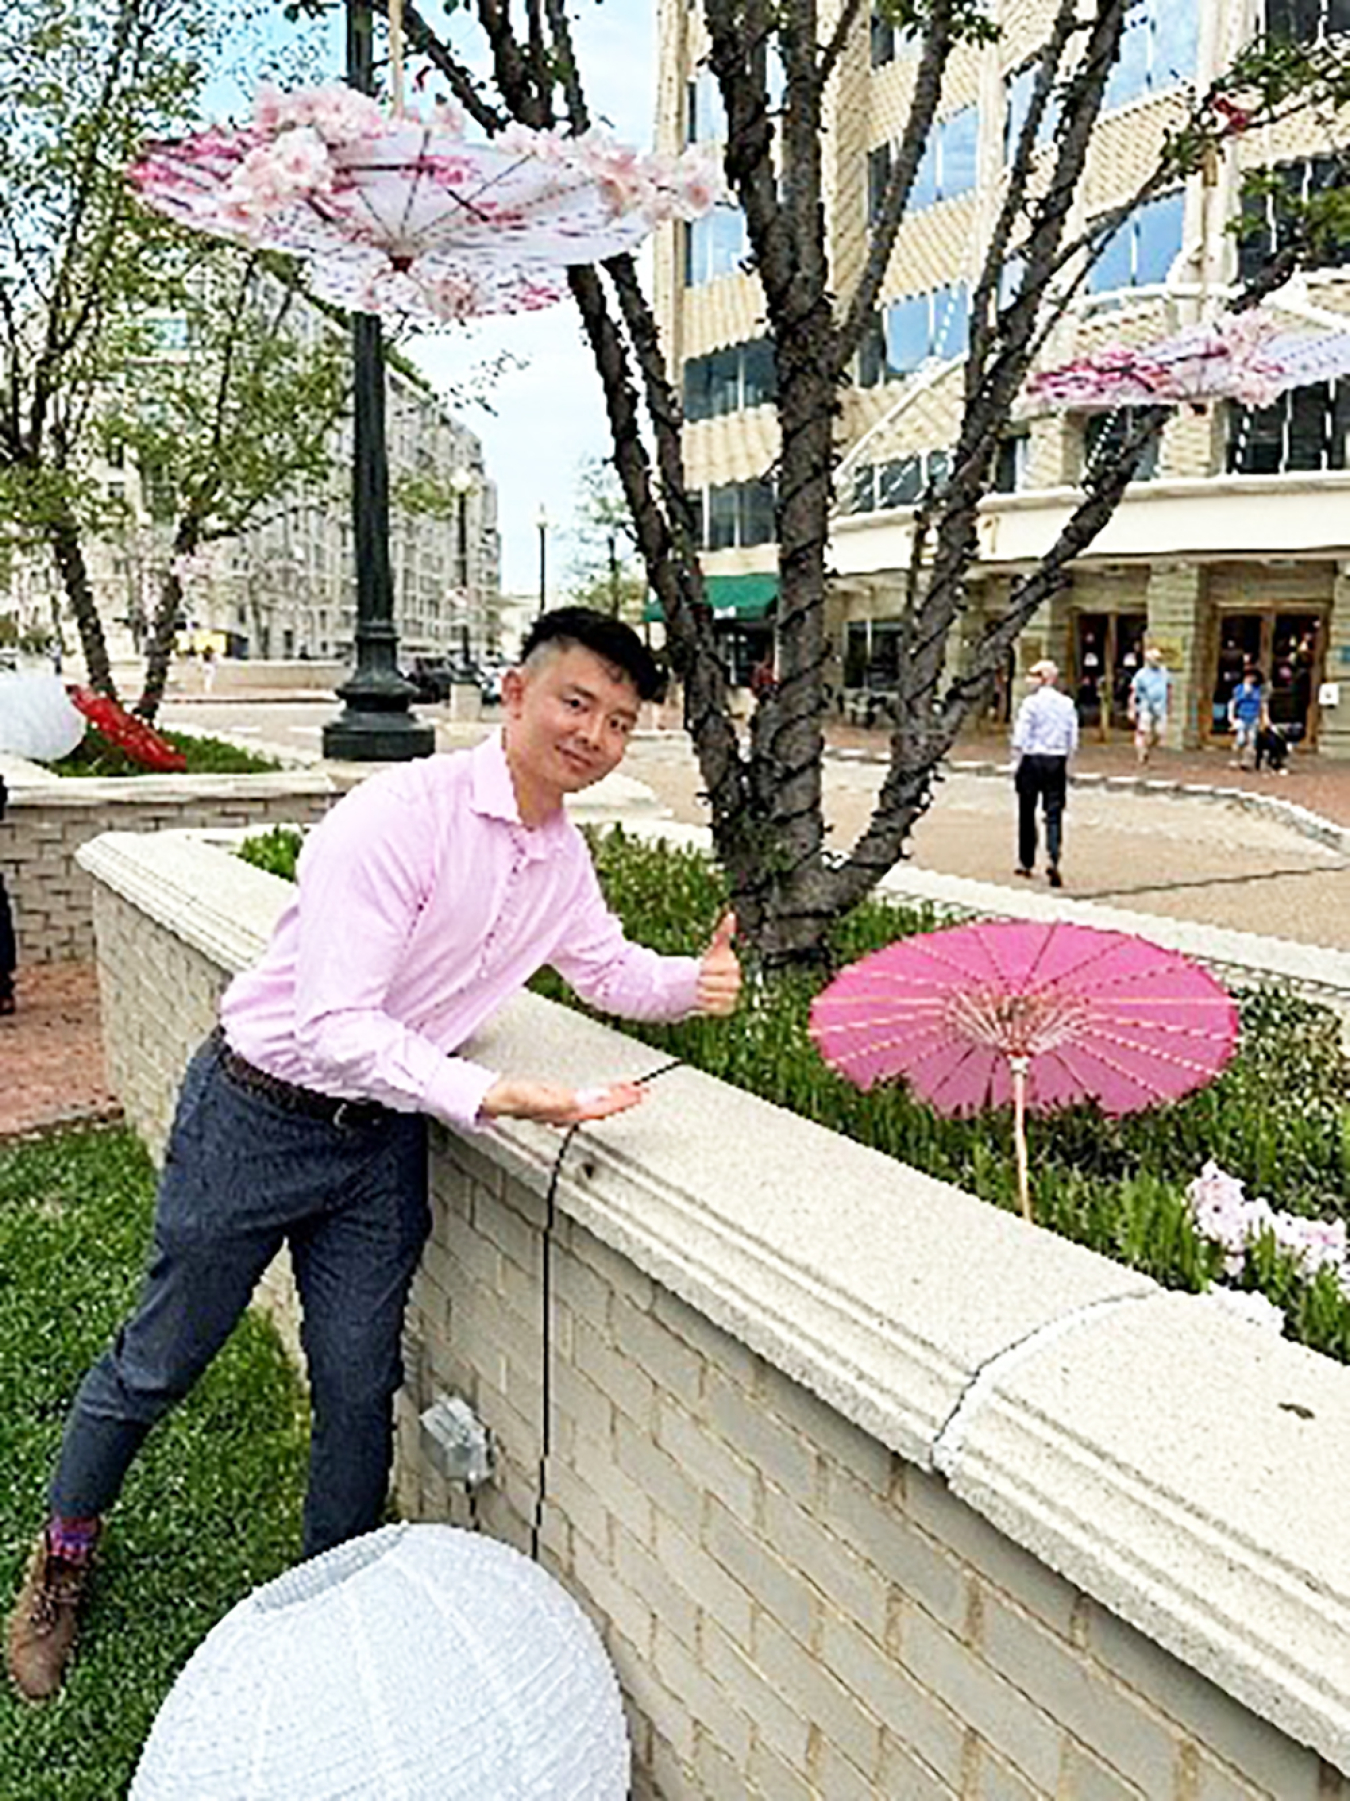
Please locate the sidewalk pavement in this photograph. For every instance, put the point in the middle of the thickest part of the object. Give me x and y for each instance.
(51, 1054)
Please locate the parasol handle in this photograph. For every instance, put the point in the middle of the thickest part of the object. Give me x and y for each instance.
(396, 54)
(1018, 1066)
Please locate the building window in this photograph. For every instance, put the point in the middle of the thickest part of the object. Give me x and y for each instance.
(1105, 434)
(1141, 251)
(912, 330)
(901, 482)
(739, 513)
(948, 165)
(714, 245)
(706, 120)
(1268, 222)
(1307, 21)
(756, 513)
(1011, 461)
(725, 381)
(1157, 50)
(1017, 91)
(1305, 430)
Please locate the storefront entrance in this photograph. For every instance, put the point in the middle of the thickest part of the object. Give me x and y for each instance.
(1107, 649)
(1289, 648)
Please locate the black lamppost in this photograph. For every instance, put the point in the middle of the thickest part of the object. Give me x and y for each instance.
(543, 522)
(375, 725)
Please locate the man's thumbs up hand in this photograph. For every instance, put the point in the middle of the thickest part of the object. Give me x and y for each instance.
(719, 975)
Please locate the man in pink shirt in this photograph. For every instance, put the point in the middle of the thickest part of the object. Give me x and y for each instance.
(428, 896)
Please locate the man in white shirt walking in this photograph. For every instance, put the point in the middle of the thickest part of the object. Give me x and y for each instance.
(1045, 736)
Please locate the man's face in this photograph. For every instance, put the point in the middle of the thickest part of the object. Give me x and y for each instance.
(568, 722)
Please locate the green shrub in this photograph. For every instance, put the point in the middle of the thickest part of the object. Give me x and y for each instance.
(95, 755)
(275, 851)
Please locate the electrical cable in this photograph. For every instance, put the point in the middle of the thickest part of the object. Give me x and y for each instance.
(546, 1293)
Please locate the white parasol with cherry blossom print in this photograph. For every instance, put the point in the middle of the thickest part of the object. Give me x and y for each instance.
(398, 215)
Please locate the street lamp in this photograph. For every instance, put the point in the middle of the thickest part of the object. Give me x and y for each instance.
(375, 724)
(461, 485)
(543, 521)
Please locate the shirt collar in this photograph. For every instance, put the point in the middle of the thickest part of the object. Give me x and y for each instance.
(492, 794)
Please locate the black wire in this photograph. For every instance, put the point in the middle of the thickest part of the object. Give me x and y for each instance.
(546, 1292)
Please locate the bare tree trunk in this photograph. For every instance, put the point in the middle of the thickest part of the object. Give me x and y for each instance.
(164, 626)
(63, 535)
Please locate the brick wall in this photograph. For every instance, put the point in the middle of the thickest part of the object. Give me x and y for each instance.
(794, 1610)
(47, 822)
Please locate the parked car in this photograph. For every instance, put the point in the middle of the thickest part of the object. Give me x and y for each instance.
(431, 677)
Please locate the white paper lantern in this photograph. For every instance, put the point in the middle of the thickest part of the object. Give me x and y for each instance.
(37, 717)
(419, 1663)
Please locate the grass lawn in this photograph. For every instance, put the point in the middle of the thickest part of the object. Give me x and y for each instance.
(212, 1506)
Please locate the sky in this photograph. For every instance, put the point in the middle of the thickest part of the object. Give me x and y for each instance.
(549, 416)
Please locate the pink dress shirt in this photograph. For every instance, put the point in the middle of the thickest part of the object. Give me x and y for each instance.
(422, 903)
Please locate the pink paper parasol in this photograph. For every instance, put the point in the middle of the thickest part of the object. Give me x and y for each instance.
(399, 216)
(1242, 356)
(1042, 1014)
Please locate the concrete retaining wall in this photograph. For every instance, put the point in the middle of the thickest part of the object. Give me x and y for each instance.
(872, 1489)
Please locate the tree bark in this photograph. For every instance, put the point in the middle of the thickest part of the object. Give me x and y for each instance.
(64, 537)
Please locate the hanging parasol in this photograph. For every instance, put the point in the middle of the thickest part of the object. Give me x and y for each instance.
(398, 215)
(1042, 1014)
(1242, 356)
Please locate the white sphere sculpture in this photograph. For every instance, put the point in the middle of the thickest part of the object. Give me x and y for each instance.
(419, 1663)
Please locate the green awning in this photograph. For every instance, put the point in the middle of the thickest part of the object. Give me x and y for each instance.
(739, 597)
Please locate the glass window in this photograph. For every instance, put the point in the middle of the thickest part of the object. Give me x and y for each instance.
(900, 482)
(1157, 50)
(1017, 90)
(714, 245)
(883, 40)
(1159, 239)
(1010, 462)
(1106, 433)
(724, 381)
(759, 373)
(872, 353)
(1141, 250)
(696, 400)
(960, 136)
(1306, 21)
(908, 334)
(864, 489)
(951, 320)
(757, 525)
(1305, 429)
(947, 167)
(707, 120)
(1268, 222)
(723, 508)
(938, 469)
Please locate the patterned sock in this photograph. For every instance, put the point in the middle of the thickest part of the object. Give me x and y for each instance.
(72, 1539)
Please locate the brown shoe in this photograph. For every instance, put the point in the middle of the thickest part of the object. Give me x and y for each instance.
(41, 1634)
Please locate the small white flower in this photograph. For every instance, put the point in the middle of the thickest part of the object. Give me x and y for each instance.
(1247, 1305)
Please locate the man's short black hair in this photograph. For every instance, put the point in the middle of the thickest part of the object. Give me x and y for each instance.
(609, 638)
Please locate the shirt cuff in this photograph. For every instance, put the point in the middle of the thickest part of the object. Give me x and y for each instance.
(456, 1092)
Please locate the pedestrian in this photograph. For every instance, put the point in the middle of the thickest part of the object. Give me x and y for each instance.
(9, 955)
(1245, 710)
(1150, 691)
(1044, 737)
(208, 668)
(429, 895)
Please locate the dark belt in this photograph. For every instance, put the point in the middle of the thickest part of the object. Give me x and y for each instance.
(291, 1097)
